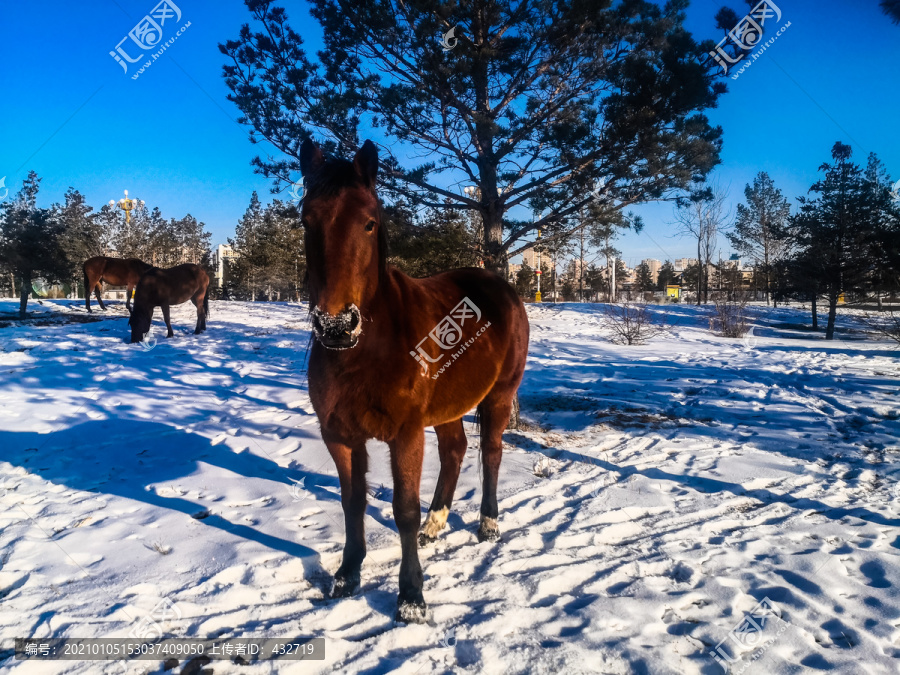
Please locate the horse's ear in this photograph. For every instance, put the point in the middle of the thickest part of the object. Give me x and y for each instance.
(311, 158)
(366, 162)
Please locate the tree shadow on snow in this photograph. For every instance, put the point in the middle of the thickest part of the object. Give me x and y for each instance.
(124, 457)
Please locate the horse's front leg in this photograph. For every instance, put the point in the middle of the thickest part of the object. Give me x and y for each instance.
(407, 451)
(351, 461)
(128, 292)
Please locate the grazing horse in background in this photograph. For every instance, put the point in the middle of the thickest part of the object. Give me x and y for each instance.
(163, 288)
(115, 271)
(394, 355)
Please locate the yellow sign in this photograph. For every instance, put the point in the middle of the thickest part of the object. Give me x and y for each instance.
(673, 292)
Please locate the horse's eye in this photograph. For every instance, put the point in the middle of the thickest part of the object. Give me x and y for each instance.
(370, 226)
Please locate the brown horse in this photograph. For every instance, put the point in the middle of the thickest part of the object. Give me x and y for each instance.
(394, 355)
(163, 288)
(115, 271)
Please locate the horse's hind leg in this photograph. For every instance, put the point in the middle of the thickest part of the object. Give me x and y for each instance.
(97, 288)
(452, 449)
(197, 299)
(88, 288)
(495, 409)
(165, 313)
(352, 462)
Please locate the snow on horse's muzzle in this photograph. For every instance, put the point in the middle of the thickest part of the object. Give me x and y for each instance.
(337, 331)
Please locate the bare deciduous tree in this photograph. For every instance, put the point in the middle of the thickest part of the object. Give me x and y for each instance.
(631, 323)
(730, 318)
(701, 217)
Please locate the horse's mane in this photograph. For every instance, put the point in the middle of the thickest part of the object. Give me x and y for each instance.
(329, 180)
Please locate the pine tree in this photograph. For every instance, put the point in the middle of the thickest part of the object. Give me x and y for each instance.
(82, 234)
(884, 242)
(246, 267)
(667, 276)
(441, 240)
(132, 236)
(268, 244)
(535, 104)
(761, 229)
(525, 282)
(30, 240)
(835, 229)
(644, 278)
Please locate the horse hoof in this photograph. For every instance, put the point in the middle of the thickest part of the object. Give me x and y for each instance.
(488, 531)
(411, 612)
(425, 540)
(345, 586)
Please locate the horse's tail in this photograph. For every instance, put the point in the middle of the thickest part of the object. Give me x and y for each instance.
(87, 290)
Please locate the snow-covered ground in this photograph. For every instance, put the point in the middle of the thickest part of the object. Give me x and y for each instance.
(681, 483)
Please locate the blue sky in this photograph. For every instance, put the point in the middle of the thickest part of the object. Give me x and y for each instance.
(69, 112)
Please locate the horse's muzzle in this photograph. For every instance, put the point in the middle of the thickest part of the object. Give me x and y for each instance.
(339, 331)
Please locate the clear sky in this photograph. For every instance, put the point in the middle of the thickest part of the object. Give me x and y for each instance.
(68, 111)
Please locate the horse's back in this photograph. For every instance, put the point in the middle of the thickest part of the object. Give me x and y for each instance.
(94, 264)
(496, 297)
(173, 285)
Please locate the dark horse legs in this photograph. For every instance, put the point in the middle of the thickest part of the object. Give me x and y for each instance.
(201, 313)
(352, 462)
(97, 288)
(452, 450)
(165, 313)
(495, 411)
(407, 452)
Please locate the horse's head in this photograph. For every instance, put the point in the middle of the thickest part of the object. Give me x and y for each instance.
(346, 245)
(140, 324)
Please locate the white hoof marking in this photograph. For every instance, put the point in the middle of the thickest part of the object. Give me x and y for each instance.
(436, 521)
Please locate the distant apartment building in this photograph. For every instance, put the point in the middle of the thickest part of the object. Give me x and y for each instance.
(530, 258)
(681, 264)
(221, 256)
(575, 268)
(654, 266)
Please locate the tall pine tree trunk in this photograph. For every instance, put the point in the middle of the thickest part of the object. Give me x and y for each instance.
(25, 292)
(495, 259)
(815, 313)
(832, 313)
